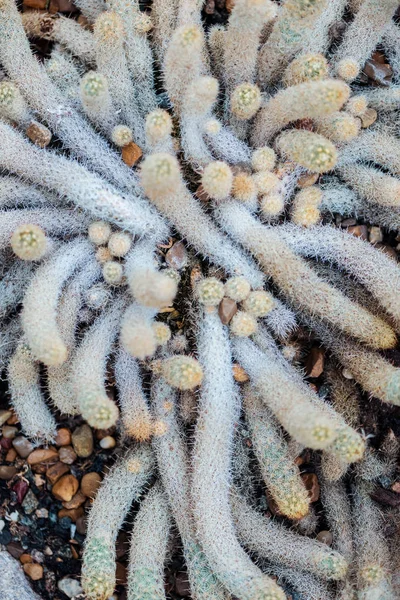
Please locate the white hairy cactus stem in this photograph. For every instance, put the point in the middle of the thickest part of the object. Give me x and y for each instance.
(122, 485)
(137, 335)
(39, 314)
(308, 149)
(372, 184)
(218, 412)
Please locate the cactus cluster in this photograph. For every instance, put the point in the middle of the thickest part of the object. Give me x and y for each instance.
(169, 195)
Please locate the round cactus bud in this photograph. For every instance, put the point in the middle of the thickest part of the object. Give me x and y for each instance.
(103, 255)
(263, 159)
(307, 67)
(12, 104)
(212, 127)
(29, 242)
(182, 372)
(158, 125)
(8, 92)
(245, 100)
(244, 188)
(189, 37)
(349, 445)
(308, 149)
(97, 296)
(153, 288)
(172, 274)
(109, 26)
(160, 175)
(243, 324)
(113, 272)
(97, 409)
(138, 339)
(217, 180)
(162, 333)
(272, 205)
(393, 389)
(237, 288)
(94, 87)
(305, 209)
(347, 69)
(357, 105)
(142, 23)
(333, 566)
(259, 303)
(265, 182)
(121, 135)
(119, 243)
(99, 232)
(210, 291)
(372, 574)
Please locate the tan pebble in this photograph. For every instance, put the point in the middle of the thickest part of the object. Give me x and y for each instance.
(82, 441)
(54, 472)
(63, 437)
(131, 154)
(13, 420)
(368, 118)
(25, 558)
(347, 374)
(315, 362)
(9, 432)
(67, 455)
(38, 134)
(34, 571)
(76, 501)
(310, 481)
(11, 455)
(4, 416)
(375, 235)
(38, 4)
(7, 472)
(325, 537)
(176, 257)
(360, 231)
(108, 442)
(90, 484)
(396, 487)
(42, 455)
(65, 488)
(239, 374)
(74, 514)
(23, 446)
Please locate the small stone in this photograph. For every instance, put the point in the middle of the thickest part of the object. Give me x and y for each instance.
(380, 72)
(70, 587)
(9, 432)
(386, 497)
(347, 374)
(90, 484)
(396, 487)
(81, 525)
(67, 455)
(82, 441)
(209, 8)
(108, 442)
(360, 231)
(307, 180)
(131, 154)
(13, 420)
(348, 222)
(63, 6)
(65, 488)
(73, 513)
(368, 118)
(7, 472)
(325, 537)
(315, 362)
(25, 558)
(4, 416)
(11, 455)
(23, 446)
(76, 501)
(34, 571)
(42, 455)
(37, 4)
(15, 549)
(182, 585)
(310, 481)
(21, 490)
(375, 235)
(226, 310)
(63, 437)
(176, 257)
(54, 472)
(42, 513)
(239, 374)
(38, 134)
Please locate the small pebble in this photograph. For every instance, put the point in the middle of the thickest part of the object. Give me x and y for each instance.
(73, 514)
(76, 501)
(325, 537)
(368, 118)
(65, 488)
(7, 472)
(67, 455)
(347, 374)
(34, 571)
(239, 374)
(375, 235)
(81, 525)
(131, 153)
(90, 484)
(9, 432)
(176, 257)
(11, 455)
(42, 455)
(23, 446)
(108, 443)
(315, 362)
(227, 310)
(4, 416)
(82, 441)
(63, 437)
(38, 134)
(310, 481)
(42, 513)
(70, 587)
(360, 231)
(54, 472)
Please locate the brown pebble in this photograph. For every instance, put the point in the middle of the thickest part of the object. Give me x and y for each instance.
(34, 571)
(209, 8)
(310, 481)
(15, 549)
(108, 442)
(37, 4)
(315, 362)
(325, 537)
(13, 420)
(90, 483)
(42, 455)
(176, 257)
(182, 585)
(82, 441)
(389, 250)
(76, 501)
(81, 525)
(227, 310)
(9, 432)
(38, 134)
(307, 180)
(54, 472)
(4, 416)
(396, 487)
(375, 235)
(380, 72)
(360, 231)
(11, 455)
(67, 455)
(23, 446)
(386, 497)
(74, 513)
(348, 222)
(368, 118)
(201, 194)
(131, 154)
(7, 472)
(239, 374)
(63, 6)
(65, 488)
(63, 437)
(25, 558)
